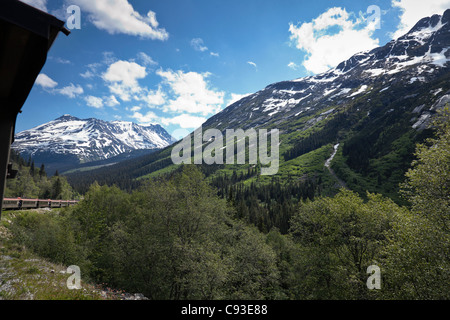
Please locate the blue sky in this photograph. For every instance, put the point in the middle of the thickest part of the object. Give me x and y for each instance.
(178, 62)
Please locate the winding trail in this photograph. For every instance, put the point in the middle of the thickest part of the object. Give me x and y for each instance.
(328, 165)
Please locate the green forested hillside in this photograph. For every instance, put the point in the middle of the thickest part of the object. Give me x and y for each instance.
(33, 182)
(175, 238)
(376, 147)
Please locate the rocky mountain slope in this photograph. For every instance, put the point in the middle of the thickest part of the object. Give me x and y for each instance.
(419, 57)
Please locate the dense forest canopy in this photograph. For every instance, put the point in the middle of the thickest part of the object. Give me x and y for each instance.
(177, 237)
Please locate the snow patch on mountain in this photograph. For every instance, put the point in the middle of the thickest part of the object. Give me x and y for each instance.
(420, 56)
(90, 139)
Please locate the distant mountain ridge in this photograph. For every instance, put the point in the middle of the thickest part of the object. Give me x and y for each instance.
(71, 139)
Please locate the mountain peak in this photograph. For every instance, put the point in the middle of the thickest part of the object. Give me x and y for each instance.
(426, 23)
(446, 16)
(89, 139)
(67, 117)
(433, 23)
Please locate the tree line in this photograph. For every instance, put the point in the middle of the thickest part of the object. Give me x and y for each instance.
(32, 182)
(265, 205)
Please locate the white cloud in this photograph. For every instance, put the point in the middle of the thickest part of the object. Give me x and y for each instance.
(119, 16)
(94, 102)
(292, 65)
(92, 70)
(61, 60)
(414, 10)
(253, 64)
(146, 59)
(70, 91)
(149, 118)
(155, 98)
(192, 93)
(198, 44)
(126, 93)
(151, 18)
(87, 75)
(108, 58)
(39, 4)
(184, 121)
(125, 72)
(326, 49)
(45, 81)
(186, 98)
(122, 78)
(235, 97)
(49, 85)
(111, 101)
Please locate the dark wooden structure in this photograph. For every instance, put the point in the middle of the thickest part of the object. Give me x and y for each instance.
(26, 35)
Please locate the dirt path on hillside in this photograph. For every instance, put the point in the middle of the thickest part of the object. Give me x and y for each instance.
(341, 183)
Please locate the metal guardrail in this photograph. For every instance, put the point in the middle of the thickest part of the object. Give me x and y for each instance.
(22, 204)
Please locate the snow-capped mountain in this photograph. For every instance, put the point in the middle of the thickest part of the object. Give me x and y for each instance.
(373, 107)
(421, 56)
(362, 119)
(89, 139)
